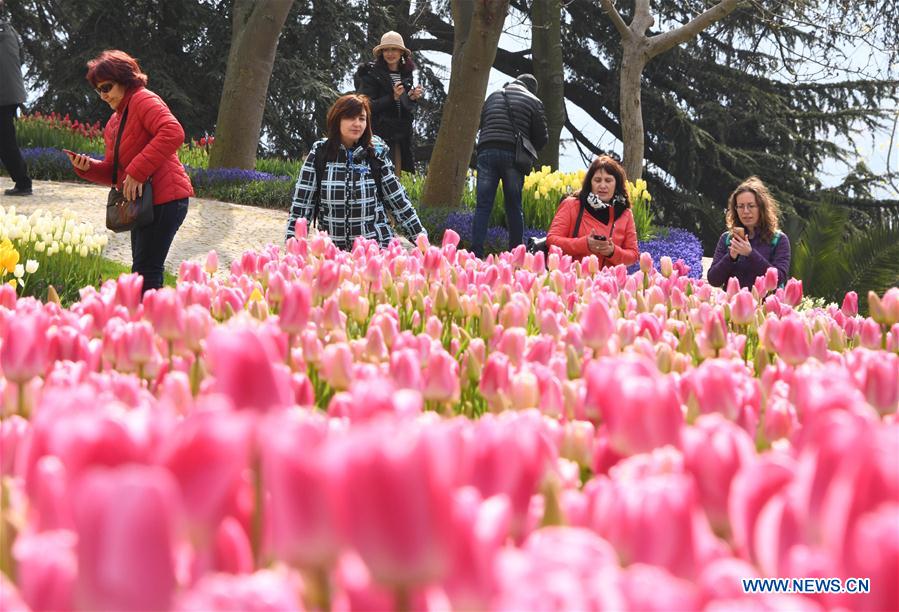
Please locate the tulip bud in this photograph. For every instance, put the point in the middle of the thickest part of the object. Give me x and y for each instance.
(850, 304)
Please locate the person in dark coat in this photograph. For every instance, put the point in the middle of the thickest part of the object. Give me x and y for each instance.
(12, 95)
(753, 242)
(388, 82)
(148, 149)
(496, 154)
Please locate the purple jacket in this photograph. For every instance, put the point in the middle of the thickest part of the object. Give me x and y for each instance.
(747, 269)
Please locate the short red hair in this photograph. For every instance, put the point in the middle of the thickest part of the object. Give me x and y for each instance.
(116, 66)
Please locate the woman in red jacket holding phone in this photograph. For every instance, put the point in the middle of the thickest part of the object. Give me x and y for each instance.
(607, 228)
(148, 149)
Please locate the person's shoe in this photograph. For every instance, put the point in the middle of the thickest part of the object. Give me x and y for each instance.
(18, 191)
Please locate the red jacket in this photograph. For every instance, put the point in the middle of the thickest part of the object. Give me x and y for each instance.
(624, 237)
(149, 147)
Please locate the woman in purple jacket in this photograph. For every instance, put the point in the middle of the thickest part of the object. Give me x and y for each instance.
(753, 242)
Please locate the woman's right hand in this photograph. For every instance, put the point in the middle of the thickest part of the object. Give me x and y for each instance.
(79, 161)
(398, 91)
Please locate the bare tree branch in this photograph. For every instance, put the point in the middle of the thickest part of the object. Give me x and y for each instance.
(615, 16)
(667, 40)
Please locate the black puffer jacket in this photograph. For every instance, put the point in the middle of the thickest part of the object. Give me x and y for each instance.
(392, 124)
(527, 110)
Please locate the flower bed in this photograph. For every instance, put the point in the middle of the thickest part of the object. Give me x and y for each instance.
(420, 430)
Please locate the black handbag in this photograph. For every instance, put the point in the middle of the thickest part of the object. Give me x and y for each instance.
(539, 244)
(525, 153)
(124, 215)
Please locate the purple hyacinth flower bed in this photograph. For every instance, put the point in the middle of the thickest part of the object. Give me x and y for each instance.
(676, 243)
(201, 177)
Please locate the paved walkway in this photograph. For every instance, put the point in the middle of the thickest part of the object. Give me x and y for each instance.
(229, 229)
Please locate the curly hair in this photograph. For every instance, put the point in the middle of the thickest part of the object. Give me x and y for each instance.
(769, 209)
(116, 66)
(610, 166)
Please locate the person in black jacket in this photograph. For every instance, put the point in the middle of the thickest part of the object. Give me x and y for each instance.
(496, 154)
(12, 94)
(388, 82)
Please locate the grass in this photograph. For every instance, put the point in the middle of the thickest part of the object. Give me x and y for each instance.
(110, 269)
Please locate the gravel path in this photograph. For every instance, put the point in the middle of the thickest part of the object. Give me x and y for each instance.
(229, 229)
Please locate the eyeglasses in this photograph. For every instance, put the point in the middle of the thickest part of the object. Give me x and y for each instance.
(746, 206)
(104, 88)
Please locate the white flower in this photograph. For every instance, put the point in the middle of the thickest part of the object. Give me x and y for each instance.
(20, 271)
(40, 247)
(31, 266)
(83, 250)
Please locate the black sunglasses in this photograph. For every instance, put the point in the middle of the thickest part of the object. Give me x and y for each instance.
(105, 88)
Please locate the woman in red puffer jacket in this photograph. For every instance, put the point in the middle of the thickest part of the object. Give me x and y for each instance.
(148, 149)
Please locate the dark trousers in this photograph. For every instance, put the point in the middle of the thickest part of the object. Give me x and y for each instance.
(9, 148)
(150, 245)
(493, 165)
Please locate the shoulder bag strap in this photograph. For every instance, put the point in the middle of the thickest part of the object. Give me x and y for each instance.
(580, 215)
(509, 111)
(115, 155)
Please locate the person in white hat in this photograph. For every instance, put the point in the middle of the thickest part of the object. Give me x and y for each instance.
(388, 82)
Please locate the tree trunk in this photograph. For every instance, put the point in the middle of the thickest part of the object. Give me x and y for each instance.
(632, 132)
(478, 26)
(546, 47)
(254, 39)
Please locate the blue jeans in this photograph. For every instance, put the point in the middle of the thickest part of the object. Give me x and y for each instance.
(150, 245)
(493, 165)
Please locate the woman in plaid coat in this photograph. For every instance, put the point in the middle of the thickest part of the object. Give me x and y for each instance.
(347, 185)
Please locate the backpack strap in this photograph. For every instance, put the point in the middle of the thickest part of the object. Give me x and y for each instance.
(320, 168)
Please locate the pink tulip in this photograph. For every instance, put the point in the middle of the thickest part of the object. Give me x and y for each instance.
(718, 386)
(397, 501)
(495, 381)
(264, 591)
(125, 522)
(128, 291)
(645, 263)
(792, 341)
(166, 311)
(890, 304)
(638, 404)
(573, 568)
(243, 364)
(874, 554)
(870, 335)
(303, 490)
(13, 432)
(652, 588)
(337, 366)
(197, 325)
(877, 375)
(46, 570)
(211, 264)
(742, 308)
(651, 519)
(482, 527)
(207, 453)
(441, 378)
(328, 279)
(850, 304)
(793, 292)
(23, 348)
(50, 506)
(8, 296)
(771, 279)
(511, 455)
(714, 451)
(666, 266)
(752, 487)
(597, 324)
(295, 307)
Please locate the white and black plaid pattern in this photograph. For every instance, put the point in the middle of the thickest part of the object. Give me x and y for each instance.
(350, 205)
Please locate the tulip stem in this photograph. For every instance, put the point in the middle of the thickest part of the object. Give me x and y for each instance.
(403, 602)
(195, 375)
(21, 405)
(258, 509)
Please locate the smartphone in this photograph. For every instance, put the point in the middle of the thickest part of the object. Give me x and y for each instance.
(69, 153)
(739, 231)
